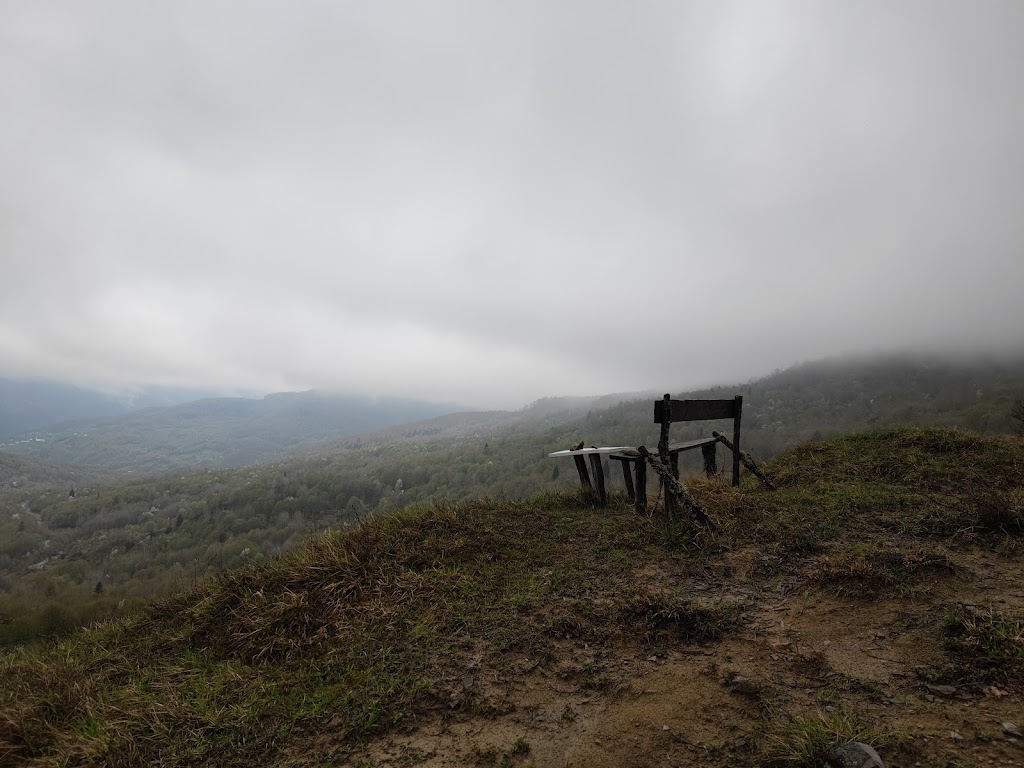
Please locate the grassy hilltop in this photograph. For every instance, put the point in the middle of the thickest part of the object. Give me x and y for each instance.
(875, 595)
(124, 539)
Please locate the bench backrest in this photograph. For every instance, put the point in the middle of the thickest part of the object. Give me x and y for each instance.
(701, 410)
(698, 410)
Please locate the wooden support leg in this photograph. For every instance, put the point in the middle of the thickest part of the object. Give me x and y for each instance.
(710, 459)
(627, 478)
(598, 469)
(670, 501)
(641, 487)
(581, 467)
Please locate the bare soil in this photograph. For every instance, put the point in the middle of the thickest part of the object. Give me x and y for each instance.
(801, 651)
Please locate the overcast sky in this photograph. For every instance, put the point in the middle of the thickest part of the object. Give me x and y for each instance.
(488, 202)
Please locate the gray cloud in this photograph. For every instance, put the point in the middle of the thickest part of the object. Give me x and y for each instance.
(491, 202)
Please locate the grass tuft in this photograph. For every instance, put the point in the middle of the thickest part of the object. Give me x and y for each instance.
(808, 741)
(867, 569)
(982, 642)
(666, 615)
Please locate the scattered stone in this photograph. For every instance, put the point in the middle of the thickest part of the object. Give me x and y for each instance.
(942, 690)
(856, 754)
(994, 692)
(955, 736)
(740, 684)
(467, 681)
(1011, 729)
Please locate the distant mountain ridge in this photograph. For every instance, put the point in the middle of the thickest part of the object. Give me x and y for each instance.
(27, 405)
(224, 431)
(807, 401)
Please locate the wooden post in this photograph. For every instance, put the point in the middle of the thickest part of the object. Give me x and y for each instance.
(710, 459)
(595, 464)
(675, 488)
(736, 441)
(666, 425)
(641, 486)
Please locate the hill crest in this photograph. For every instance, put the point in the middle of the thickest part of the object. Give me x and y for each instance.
(883, 573)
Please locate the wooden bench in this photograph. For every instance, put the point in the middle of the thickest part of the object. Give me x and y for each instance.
(667, 411)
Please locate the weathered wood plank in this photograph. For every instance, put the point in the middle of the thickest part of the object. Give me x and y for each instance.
(588, 451)
(694, 410)
(690, 444)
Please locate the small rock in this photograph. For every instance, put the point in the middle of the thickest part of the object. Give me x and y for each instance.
(943, 690)
(856, 754)
(741, 684)
(955, 736)
(467, 681)
(1011, 729)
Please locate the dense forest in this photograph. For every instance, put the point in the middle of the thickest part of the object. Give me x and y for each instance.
(78, 544)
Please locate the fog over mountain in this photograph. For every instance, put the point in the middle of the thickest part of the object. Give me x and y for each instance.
(485, 203)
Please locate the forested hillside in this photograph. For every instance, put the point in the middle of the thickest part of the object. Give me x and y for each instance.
(873, 596)
(80, 556)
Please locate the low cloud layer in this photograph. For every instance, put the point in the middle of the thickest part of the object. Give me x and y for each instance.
(486, 203)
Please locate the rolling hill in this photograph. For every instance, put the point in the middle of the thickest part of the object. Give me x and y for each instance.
(875, 596)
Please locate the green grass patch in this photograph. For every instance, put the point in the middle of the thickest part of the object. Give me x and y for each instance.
(982, 643)
(356, 633)
(942, 483)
